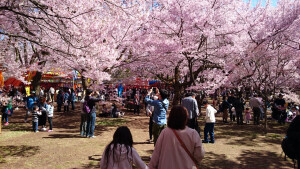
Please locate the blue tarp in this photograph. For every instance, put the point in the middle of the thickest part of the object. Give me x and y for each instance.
(152, 82)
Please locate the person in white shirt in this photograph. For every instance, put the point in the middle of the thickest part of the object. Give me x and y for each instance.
(210, 123)
(52, 91)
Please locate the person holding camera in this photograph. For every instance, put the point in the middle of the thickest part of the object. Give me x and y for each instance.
(160, 111)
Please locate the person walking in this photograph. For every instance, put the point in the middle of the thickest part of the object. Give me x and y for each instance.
(256, 106)
(178, 146)
(190, 103)
(52, 91)
(160, 111)
(210, 120)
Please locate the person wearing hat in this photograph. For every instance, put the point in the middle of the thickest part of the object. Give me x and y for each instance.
(29, 103)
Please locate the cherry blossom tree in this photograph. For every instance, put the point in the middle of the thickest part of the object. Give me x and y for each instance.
(186, 43)
(65, 35)
(269, 63)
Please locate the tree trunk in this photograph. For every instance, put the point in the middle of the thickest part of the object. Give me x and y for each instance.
(177, 88)
(177, 95)
(266, 119)
(36, 83)
(85, 85)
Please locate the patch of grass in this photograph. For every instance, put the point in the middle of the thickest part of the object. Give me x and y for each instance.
(11, 134)
(274, 136)
(253, 136)
(93, 163)
(15, 127)
(112, 122)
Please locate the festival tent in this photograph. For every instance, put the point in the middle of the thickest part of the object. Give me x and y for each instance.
(14, 82)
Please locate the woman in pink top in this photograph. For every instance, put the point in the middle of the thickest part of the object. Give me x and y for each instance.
(168, 151)
(120, 154)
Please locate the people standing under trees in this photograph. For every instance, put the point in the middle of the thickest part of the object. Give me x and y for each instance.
(210, 121)
(66, 101)
(52, 92)
(279, 107)
(291, 146)
(256, 106)
(91, 117)
(178, 146)
(50, 110)
(247, 115)
(59, 100)
(238, 104)
(224, 108)
(231, 100)
(160, 111)
(72, 98)
(43, 117)
(29, 103)
(137, 103)
(190, 103)
(149, 113)
(120, 154)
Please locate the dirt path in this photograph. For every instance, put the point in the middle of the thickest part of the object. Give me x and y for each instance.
(236, 146)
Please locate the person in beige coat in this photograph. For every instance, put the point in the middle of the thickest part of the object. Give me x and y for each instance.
(169, 152)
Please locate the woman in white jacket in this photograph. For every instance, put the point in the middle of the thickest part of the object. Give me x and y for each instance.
(49, 111)
(119, 153)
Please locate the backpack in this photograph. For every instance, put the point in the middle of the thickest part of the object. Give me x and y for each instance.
(288, 146)
(85, 107)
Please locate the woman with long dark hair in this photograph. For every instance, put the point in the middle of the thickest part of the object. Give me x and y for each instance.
(119, 153)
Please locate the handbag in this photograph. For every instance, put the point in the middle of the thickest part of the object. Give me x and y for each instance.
(186, 150)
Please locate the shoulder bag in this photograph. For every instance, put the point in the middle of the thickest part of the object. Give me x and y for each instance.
(184, 147)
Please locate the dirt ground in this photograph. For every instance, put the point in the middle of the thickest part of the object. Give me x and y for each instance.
(236, 146)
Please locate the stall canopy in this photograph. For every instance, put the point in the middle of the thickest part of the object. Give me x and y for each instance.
(13, 82)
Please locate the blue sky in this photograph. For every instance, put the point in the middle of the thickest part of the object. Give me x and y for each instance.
(263, 2)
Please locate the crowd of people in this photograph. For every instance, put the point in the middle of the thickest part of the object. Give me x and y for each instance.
(176, 136)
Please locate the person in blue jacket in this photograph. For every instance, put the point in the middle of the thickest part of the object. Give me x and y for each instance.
(66, 101)
(72, 98)
(29, 103)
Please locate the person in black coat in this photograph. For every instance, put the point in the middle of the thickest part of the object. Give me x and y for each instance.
(238, 104)
(60, 100)
(293, 133)
(231, 100)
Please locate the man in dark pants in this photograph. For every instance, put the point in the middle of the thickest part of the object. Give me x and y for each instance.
(256, 105)
(239, 108)
(231, 100)
(280, 108)
(190, 103)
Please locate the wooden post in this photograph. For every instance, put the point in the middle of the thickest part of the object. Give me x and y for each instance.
(0, 123)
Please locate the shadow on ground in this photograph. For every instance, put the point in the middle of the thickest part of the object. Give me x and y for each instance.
(17, 151)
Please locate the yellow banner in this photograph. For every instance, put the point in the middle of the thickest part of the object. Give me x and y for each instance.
(27, 89)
